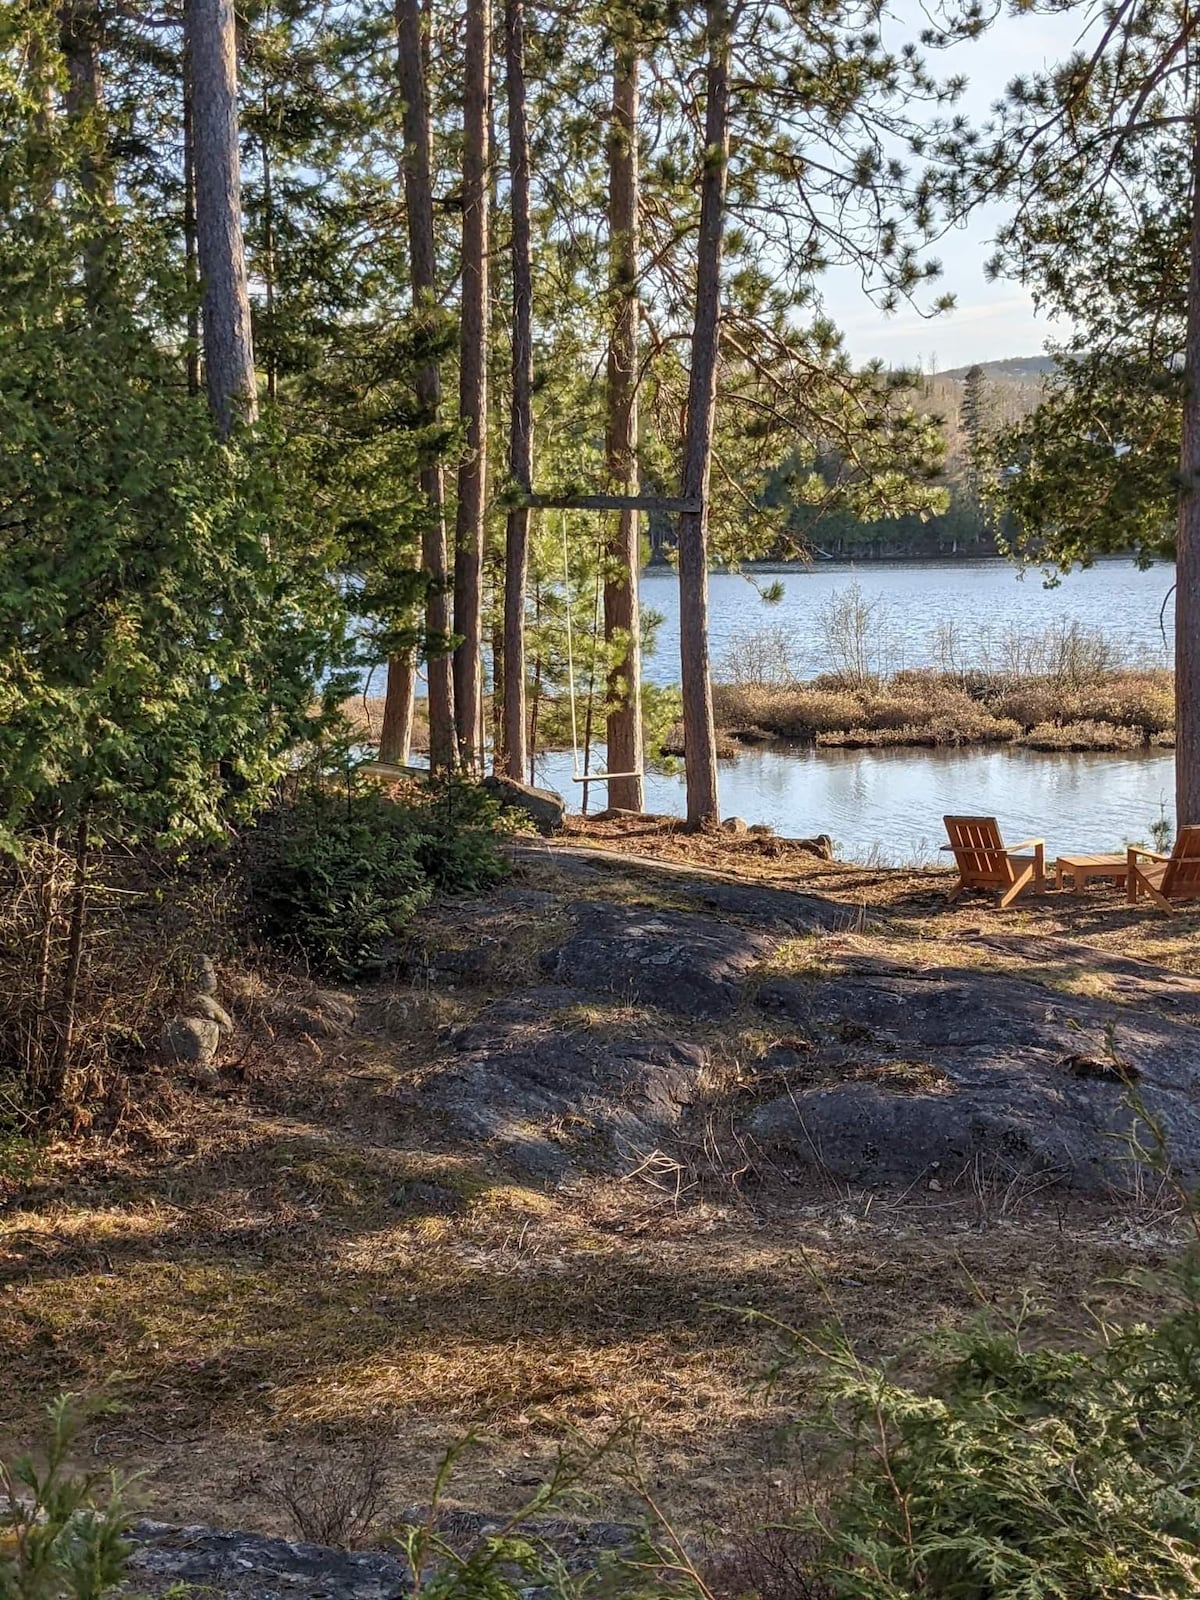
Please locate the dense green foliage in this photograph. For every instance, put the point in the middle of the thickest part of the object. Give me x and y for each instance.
(1095, 155)
(337, 874)
(1027, 1467)
(166, 602)
(61, 1531)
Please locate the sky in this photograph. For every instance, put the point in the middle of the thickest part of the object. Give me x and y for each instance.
(991, 321)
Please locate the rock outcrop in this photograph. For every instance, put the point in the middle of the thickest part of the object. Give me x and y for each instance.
(544, 808)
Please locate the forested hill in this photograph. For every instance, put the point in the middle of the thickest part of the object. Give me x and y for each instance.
(1000, 395)
(971, 404)
(1013, 369)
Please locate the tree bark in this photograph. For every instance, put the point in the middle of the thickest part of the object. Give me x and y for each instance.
(1187, 553)
(699, 735)
(520, 453)
(496, 529)
(469, 530)
(622, 622)
(191, 269)
(268, 265)
(79, 38)
(418, 196)
(211, 42)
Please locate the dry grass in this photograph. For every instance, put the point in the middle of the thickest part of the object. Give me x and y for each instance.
(1083, 736)
(1115, 711)
(304, 1260)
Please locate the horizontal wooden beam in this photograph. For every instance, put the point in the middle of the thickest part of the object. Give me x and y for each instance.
(392, 769)
(610, 502)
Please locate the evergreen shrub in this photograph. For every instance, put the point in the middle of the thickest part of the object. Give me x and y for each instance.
(336, 875)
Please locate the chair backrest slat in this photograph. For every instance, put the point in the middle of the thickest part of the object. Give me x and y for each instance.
(979, 851)
(1181, 881)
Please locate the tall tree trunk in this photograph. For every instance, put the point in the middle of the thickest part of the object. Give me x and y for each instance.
(191, 269)
(268, 264)
(395, 736)
(496, 526)
(418, 196)
(1187, 553)
(210, 38)
(79, 39)
(699, 734)
(469, 530)
(621, 611)
(520, 450)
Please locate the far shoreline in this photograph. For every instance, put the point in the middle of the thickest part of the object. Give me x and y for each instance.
(822, 563)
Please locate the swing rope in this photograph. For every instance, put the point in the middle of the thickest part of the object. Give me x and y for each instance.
(575, 778)
(576, 775)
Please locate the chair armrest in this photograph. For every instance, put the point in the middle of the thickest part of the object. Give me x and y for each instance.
(1135, 850)
(1025, 844)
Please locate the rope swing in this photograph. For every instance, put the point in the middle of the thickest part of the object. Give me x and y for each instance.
(577, 776)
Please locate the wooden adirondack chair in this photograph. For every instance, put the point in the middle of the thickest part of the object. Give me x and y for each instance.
(984, 861)
(1166, 878)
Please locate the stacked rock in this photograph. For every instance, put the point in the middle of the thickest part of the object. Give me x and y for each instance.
(193, 1036)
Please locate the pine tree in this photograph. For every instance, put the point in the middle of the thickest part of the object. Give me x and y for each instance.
(1102, 156)
(470, 527)
(520, 450)
(418, 192)
(211, 40)
(699, 735)
(622, 621)
(975, 415)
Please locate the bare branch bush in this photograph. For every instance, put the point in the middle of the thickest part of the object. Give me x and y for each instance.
(336, 1499)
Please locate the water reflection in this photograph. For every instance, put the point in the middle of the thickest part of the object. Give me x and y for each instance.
(890, 803)
(981, 600)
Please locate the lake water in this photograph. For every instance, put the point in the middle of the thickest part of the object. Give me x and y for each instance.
(888, 804)
(985, 601)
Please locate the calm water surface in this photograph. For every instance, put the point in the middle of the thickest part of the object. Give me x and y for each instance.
(984, 600)
(889, 804)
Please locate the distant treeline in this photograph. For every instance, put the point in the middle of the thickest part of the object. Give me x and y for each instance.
(969, 405)
(810, 531)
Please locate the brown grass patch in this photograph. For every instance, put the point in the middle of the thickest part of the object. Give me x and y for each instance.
(1114, 710)
(303, 1259)
(1082, 736)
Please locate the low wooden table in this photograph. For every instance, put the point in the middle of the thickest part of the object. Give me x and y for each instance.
(1084, 868)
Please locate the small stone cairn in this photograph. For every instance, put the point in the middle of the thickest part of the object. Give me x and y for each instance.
(192, 1038)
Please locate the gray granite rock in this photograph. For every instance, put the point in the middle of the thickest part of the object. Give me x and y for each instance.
(223, 1565)
(544, 808)
(692, 965)
(911, 1073)
(192, 1041)
(204, 1005)
(549, 1094)
(206, 975)
(247, 1566)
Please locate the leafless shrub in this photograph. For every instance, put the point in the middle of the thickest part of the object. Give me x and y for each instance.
(758, 657)
(85, 995)
(336, 1499)
(1001, 1189)
(855, 634)
(767, 1548)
